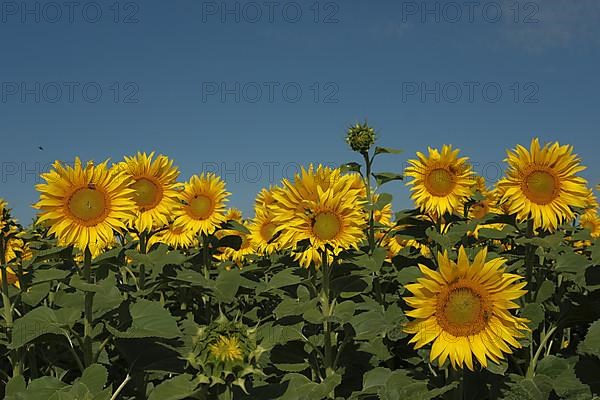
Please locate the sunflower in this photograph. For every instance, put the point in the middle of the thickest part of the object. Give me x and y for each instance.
(590, 220)
(17, 248)
(262, 231)
(395, 242)
(203, 207)
(321, 207)
(156, 188)
(383, 216)
(542, 184)
(234, 214)
(84, 205)
(226, 349)
(175, 236)
(265, 197)
(238, 256)
(441, 181)
(12, 278)
(464, 308)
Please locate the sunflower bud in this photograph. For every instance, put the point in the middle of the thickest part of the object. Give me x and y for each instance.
(360, 137)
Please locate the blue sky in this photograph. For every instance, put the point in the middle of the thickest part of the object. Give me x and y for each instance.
(253, 90)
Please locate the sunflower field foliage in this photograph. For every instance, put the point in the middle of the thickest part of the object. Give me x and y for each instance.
(133, 284)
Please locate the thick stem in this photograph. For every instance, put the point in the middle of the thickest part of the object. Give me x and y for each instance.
(143, 244)
(8, 316)
(371, 232)
(88, 313)
(529, 261)
(326, 308)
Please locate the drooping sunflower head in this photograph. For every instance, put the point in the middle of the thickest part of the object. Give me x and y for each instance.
(441, 181)
(226, 349)
(155, 185)
(395, 242)
(322, 207)
(202, 207)
(84, 204)
(177, 237)
(542, 184)
(464, 309)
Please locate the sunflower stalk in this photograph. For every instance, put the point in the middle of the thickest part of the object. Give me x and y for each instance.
(8, 316)
(371, 229)
(529, 260)
(88, 309)
(143, 245)
(327, 310)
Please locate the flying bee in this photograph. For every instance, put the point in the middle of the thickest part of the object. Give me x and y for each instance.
(91, 186)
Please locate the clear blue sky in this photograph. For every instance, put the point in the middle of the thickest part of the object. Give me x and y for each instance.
(215, 85)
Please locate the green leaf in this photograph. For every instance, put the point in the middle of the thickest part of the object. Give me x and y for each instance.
(149, 319)
(546, 291)
(231, 241)
(534, 313)
(227, 285)
(387, 150)
(35, 323)
(47, 275)
(385, 177)
(350, 167)
(591, 343)
(238, 227)
(94, 378)
(14, 386)
(177, 388)
(572, 262)
(563, 379)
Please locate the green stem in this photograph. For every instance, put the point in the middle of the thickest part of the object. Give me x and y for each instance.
(143, 244)
(8, 312)
(371, 232)
(327, 310)
(534, 360)
(529, 261)
(88, 313)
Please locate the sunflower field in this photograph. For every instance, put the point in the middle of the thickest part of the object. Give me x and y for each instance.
(131, 284)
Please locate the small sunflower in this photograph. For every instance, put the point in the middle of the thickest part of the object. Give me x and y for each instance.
(84, 205)
(175, 236)
(262, 231)
(238, 256)
(320, 206)
(590, 220)
(464, 309)
(441, 181)
(12, 278)
(155, 185)
(203, 208)
(234, 214)
(226, 349)
(542, 184)
(265, 197)
(395, 242)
